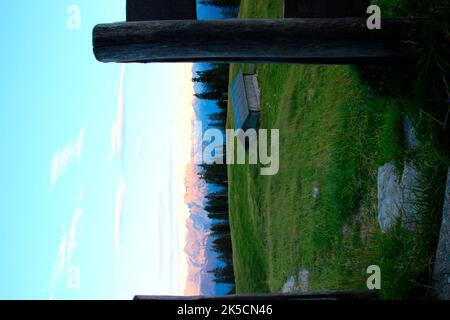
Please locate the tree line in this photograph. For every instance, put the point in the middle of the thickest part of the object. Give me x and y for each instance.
(214, 87)
(227, 4)
(228, 8)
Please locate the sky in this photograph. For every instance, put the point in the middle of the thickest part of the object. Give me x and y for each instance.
(93, 160)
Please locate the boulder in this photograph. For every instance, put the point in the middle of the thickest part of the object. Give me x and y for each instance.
(389, 196)
(409, 132)
(297, 283)
(409, 186)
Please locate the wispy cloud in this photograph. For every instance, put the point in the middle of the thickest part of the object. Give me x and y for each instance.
(72, 239)
(63, 157)
(67, 248)
(120, 193)
(139, 142)
(117, 127)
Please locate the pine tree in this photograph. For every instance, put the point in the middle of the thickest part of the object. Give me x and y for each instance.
(221, 3)
(214, 87)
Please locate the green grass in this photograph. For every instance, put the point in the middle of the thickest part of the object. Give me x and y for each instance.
(391, 146)
(335, 130)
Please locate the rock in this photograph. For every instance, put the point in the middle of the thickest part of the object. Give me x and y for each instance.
(410, 134)
(389, 196)
(315, 192)
(299, 283)
(303, 276)
(409, 186)
(397, 196)
(441, 271)
(289, 286)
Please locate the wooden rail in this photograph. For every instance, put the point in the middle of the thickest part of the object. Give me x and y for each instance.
(322, 295)
(313, 40)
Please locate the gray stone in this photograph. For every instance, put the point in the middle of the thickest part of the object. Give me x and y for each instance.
(410, 134)
(303, 277)
(409, 186)
(299, 283)
(397, 196)
(441, 271)
(289, 286)
(315, 192)
(389, 196)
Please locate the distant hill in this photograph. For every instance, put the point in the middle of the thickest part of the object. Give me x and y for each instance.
(198, 248)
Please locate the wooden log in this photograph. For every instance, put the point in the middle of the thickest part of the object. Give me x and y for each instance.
(321, 295)
(337, 40)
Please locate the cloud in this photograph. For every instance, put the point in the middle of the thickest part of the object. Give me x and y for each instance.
(72, 243)
(139, 142)
(139, 148)
(118, 214)
(117, 127)
(63, 157)
(109, 159)
(66, 248)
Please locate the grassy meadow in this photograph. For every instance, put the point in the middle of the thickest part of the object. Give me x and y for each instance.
(337, 126)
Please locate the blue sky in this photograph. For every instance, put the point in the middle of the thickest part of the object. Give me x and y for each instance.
(84, 191)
